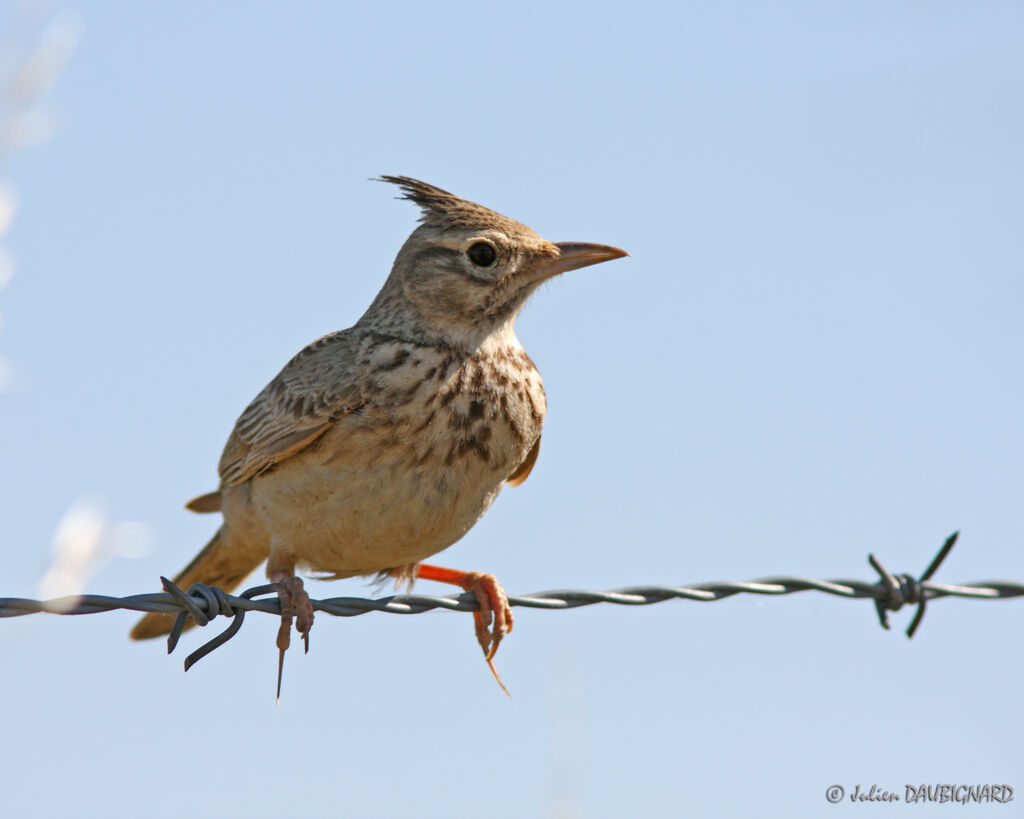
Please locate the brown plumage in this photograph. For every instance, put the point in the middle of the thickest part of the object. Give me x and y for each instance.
(380, 445)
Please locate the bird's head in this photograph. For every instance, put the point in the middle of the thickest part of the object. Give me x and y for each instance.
(466, 271)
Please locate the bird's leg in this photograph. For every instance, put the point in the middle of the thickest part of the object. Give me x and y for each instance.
(294, 602)
(493, 621)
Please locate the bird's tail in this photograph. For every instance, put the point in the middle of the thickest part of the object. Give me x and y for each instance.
(216, 565)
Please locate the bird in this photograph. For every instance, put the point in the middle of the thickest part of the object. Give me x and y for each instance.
(379, 446)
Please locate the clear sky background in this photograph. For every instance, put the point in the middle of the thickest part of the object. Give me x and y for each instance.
(813, 352)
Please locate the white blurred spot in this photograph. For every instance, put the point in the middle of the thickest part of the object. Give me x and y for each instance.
(35, 45)
(30, 67)
(8, 207)
(129, 539)
(86, 539)
(6, 268)
(27, 129)
(41, 67)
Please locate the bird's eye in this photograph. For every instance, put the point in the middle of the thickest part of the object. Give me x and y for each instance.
(482, 254)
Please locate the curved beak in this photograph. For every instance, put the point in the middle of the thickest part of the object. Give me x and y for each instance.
(574, 255)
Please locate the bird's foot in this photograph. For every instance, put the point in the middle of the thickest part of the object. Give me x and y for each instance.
(295, 603)
(493, 621)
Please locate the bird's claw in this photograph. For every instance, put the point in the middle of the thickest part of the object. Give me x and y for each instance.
(494, 620)
(295, 603)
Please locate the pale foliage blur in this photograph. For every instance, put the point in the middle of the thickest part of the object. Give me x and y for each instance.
(35, 45)
(85, 539)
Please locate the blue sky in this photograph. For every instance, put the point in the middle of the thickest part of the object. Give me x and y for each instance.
(813, 352)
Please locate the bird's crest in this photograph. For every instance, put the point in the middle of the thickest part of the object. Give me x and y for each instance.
(445, 210)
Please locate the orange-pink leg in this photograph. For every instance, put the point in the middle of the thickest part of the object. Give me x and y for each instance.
(493, 621)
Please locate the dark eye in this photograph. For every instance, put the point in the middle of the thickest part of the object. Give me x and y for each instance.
(482, 254)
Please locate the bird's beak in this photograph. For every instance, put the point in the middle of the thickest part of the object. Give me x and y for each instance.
(573, 255)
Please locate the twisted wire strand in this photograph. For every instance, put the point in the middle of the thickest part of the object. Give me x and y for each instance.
(203, 603)
(557, 599)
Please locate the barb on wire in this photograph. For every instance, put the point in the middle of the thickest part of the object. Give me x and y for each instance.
(906, 589)
(202, 603)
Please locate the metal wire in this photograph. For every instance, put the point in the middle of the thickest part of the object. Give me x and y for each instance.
(203, 603)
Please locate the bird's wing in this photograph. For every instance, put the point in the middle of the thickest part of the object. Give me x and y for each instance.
(526, 467)
(316, 388)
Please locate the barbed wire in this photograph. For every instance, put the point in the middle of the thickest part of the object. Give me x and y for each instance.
(203, 603)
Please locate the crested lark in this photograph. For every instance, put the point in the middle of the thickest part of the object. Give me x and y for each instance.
(378, 446)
